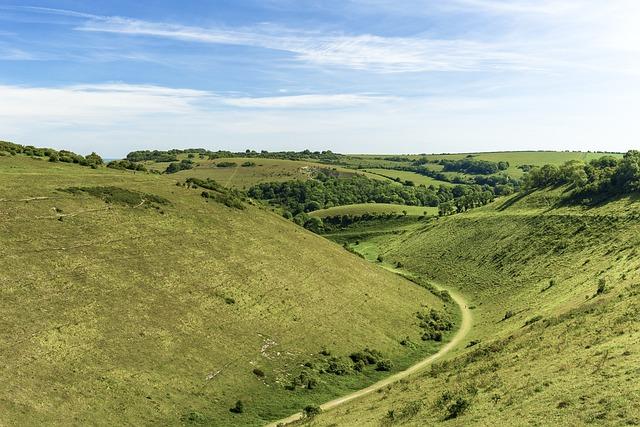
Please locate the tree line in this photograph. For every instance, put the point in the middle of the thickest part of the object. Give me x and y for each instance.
(599, 178)
(296, 197)
(92, 160)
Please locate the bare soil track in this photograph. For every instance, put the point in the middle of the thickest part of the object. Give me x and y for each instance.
(465, 327)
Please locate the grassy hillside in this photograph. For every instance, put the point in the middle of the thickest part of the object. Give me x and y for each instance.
(244, 172)
(374, 208)
(127, 299)
(555, 294)
(515, 159)
(417, 179)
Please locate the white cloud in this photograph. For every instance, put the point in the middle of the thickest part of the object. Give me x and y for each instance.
(116, 118)
(307, 101)
(362, 52)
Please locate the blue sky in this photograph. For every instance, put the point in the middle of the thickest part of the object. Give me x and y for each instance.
(351, 75)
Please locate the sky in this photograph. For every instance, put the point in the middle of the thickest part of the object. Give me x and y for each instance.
(352, 76)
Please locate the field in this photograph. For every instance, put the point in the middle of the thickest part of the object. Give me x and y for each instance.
(375, 208)
(417, 179)
(515, 158)
(130, 298)
(163, 307)
(260, 170)
(555, 297)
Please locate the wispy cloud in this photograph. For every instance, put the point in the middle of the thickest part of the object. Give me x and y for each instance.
(361, 52)
(308, 101)
(367, 52)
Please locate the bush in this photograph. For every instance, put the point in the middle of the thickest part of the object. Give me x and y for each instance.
(602, 285)
(126, 164)
(306, 379)
(226, 165)
(338, 366)
(177, 167)
(509, 314)
(457, 408)
(311, 411)
(258, 372)
(384, 365)
(238, 408)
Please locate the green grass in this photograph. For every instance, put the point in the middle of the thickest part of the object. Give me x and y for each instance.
(416, 178)
(565, 354)
(264, 170)
(121, 312)
(515, 159)
(375, 208)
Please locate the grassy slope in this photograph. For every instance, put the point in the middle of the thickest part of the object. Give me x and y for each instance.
(409, 176)
(121, 315)
(515, 158)
(577, 365)
(374, 208)
(265, 170)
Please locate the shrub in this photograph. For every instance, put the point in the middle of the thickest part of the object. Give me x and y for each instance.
(455, 404)
(177, 167)
(238, 408)
(338, 366)
(311, 411)
(126, 164)
(509, 314)
(457, 408)
(602, 285)
(248, 164)
(258, 372)
(367, 356)
(384, 365)
(306, 379)
(226, 164)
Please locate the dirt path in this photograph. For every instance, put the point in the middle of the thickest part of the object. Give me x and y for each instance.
(465, 327)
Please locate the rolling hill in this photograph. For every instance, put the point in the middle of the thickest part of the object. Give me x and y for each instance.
(129, 298)
(555, 296)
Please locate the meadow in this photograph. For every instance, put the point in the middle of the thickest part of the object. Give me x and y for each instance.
(129, 298)
(245, 172)
(375, 209)
(555, 297)
(133, 297)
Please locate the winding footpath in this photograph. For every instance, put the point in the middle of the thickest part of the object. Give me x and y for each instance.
(465, 327)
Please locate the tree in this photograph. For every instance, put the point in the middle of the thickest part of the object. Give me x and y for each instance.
(94, 159)
(314, 224)
(627, 175)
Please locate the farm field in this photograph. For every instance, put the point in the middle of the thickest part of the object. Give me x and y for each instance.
(375, 208)
(164, 307)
